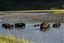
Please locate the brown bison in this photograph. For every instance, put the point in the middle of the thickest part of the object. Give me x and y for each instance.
(19, 25)
(57, 24)
(44, 26)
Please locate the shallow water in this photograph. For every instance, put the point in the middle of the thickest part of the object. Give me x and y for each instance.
(54, 35)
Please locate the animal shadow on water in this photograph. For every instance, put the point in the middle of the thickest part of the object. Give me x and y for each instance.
(19, 28)
(45, 30)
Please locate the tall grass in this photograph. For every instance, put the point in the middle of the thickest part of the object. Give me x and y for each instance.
(12, 39)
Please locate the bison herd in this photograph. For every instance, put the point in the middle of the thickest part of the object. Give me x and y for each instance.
(43, 26)
(17, 25)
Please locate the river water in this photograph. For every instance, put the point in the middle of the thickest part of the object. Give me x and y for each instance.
(54, 35)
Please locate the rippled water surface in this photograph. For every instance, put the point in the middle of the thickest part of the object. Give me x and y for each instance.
(54, 35)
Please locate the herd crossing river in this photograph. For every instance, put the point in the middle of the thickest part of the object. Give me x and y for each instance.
(54, 35)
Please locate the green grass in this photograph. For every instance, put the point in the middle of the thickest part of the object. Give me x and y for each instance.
(11, 39)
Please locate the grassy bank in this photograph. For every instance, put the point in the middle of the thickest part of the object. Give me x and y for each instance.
(11, 39)
(50, 11)
(58, 11)
(14, 13)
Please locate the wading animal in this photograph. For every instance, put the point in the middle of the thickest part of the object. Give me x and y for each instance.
(7, 25)
(36, 25)
(44, 26)
(56, 25)
(19, 25)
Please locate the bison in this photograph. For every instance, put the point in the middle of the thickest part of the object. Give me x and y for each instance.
(57, 24)
(36, 25)
(19, 25)
(44, 26)
(7, 25)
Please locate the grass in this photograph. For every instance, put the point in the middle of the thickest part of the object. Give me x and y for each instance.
(11, 39)
(50, 11)
(8, 13)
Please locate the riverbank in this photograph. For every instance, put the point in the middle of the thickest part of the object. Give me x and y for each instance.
(33, 11)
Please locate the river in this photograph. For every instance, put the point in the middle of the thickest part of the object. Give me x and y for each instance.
(54, 35)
